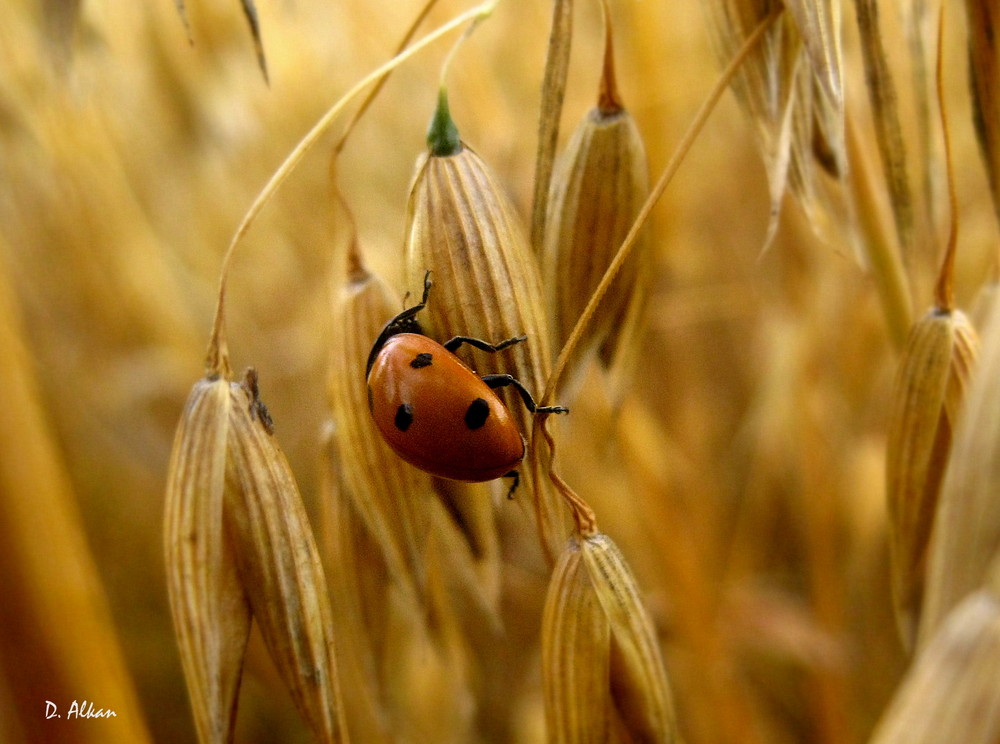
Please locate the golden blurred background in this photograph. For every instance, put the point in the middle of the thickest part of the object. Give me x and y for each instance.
(742, 476)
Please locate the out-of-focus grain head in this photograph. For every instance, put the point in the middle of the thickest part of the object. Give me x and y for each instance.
(389, 495)
(462, 226)
(598, 187)
(928, 393)
(602, 669)
(966, 531)
(950, 693)
(984, 69)
(210, 610)
(238, 543)
(791, 89)
(576, 654)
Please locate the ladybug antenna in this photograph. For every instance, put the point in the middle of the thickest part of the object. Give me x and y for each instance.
(405, 322)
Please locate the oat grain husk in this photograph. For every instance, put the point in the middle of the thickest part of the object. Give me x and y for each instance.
(599, 185)
(238, 543)
(951, 693)
(462, 226)
(967, 521)
(927, 399)
(602, 670)
(280, 566)
(576, 654)
(210, 609)
(389, 495)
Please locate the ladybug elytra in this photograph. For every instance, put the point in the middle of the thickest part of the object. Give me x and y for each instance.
(435, 412)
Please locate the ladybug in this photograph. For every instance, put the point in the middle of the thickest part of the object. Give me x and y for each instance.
(435, 412)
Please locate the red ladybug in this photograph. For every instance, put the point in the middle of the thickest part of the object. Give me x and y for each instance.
(435, 412)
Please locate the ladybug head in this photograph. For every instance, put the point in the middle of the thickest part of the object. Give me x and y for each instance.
(405, 322)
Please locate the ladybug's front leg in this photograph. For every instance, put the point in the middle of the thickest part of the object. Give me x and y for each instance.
(497, 381)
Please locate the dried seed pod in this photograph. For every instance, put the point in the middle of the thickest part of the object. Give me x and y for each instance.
(984, 69)
(601, 663)
(929, 389)
(463, 228)
(359, 579)
(790, 87)
(967, 522)
(279, 564)
(389, 495)
(576, 654)
(210, 609)
(639, 685)
(598, 188)
(237, 541)
(950, 694)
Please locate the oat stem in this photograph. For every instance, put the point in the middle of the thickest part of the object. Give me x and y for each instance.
(944, 289)
(609, 101)
(887, 268)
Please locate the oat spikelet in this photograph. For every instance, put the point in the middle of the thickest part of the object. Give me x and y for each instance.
(598, 188)
(602, 671)
(885, 115)
(463, 228)
(210, 611)
(791, 89)
(967, 522)
(639, 685)
(280, 566)
(984, 68)
(576, 654)
(951, 692)
(389, 495)
(927, 398)
(238, 542)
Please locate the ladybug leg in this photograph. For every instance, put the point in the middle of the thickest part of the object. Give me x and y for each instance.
(453, 343)
(515, 482)
(497, 381)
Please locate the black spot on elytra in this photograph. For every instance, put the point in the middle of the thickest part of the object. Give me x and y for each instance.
(477, 413)
(404, 417)
(422, 359)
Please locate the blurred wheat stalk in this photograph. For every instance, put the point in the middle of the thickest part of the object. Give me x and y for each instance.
(743, 473)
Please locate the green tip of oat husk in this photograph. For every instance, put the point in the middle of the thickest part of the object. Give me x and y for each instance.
(442, 134)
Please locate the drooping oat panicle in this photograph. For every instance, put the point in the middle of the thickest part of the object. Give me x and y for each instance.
(462, 227)
(279, 564)
(389, 495)
(791, 88)
(549, 113)
(928, 394)
(599, 185)
(967, 521)
(951, 693)
(210, 610)
(576, 654)
(238, 543)
(885, 115)
(984, 69)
